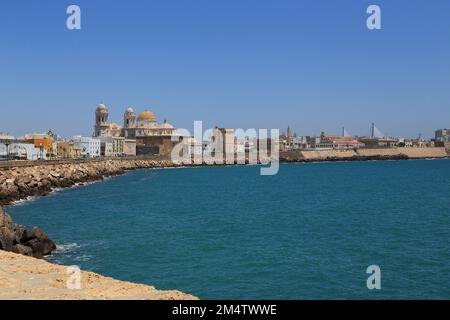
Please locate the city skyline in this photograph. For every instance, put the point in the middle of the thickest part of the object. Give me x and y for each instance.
(233, 64)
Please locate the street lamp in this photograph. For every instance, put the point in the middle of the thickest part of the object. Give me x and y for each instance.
(7, 143)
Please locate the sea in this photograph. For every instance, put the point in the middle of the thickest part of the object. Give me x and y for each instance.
(313, 231)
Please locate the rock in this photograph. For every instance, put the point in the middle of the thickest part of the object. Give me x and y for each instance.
(49, 246)
(20, 233)
(16, 238)
(37, 247)
(21, 249)
(5, 220)
(6, 239)
(38, 233)
(41, 248)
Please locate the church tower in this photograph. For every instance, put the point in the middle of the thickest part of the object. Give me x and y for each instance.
(129, 118)
(101, 121)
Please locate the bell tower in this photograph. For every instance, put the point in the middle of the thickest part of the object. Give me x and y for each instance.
(129, 118)
(101, 121)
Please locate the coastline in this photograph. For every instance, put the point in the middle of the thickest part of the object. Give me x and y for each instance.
(21, 180)
(43, 179)
(27, 278)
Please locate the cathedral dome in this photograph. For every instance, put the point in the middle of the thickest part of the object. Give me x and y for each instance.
(147, 115)
(115, 126)
(167, 125)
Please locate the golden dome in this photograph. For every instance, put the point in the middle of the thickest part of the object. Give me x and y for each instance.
(147, 115)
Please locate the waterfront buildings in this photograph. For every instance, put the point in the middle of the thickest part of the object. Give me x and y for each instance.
(20, 149)
(442, 138)
(442, 135)
(67, 150)
(382, 142)
(331, 141)
(129, 147)
(42, 141)
(112, 146)
(89, 146)
(150, 137)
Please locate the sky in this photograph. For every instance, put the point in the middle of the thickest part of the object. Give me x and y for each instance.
(312, 65)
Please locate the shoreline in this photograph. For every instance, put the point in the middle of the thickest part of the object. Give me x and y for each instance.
(20, 181)
(43, 179)
(28, 278)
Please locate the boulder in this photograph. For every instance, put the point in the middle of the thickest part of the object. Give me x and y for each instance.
(21, 249)
(6, 239)
(16, 238)
(37, 233)
(5, 220)
(20, 233)
(49, 246)
(37, 247)
(41, 248)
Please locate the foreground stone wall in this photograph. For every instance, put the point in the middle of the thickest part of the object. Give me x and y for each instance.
(24, 277)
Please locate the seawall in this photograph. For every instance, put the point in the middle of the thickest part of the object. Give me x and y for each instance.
(21, 180)
(363, 154)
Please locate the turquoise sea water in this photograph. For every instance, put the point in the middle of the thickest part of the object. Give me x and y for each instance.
(228, 233)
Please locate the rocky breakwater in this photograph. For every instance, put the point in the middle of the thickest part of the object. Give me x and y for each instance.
(16, 238)
(18, 183)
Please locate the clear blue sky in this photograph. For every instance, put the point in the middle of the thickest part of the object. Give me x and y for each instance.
(312, 65)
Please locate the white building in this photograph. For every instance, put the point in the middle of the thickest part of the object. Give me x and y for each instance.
(112, 146)
(21, 151)
(90, 147)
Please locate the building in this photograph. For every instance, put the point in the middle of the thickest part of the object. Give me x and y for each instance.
(106, 147)
(331, 141)
(118, 146)
(42, 141)
(89, 147)
(102, 127)
(374, 142)
(442, 138)
(67, 150)
(21, 151)
(5, 142)
(301, 142)
(112, 146)
(150, 137)
(129, 147)
(442, 135)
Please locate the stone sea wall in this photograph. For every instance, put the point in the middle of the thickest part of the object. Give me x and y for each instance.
(19, 180)
(39, 179)
(363, 154)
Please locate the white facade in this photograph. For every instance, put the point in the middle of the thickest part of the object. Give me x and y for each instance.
(90, 147)
(22, 151)
(106, 147)
(112, 146)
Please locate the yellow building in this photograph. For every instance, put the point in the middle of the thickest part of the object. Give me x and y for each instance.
(67, 150)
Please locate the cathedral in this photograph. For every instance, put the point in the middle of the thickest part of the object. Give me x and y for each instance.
(150, 136)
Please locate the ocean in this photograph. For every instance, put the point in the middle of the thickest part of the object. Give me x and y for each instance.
(309, 232)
